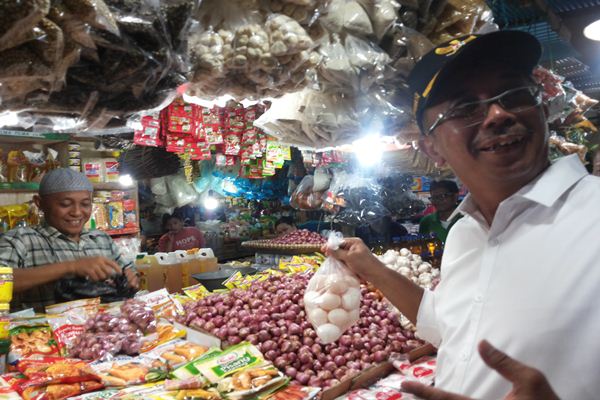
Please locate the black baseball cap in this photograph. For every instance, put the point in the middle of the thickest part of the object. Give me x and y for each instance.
(521, 50)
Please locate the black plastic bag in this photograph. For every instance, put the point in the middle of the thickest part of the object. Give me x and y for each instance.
(113, 289)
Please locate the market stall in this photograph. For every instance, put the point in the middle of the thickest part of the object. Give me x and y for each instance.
(228, 116)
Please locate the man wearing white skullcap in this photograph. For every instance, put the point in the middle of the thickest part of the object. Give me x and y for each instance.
(59, 250)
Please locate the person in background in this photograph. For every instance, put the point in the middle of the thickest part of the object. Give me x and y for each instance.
(284, 225)
(520, 269)
(60, 249)
(179, 237)
(444, 197)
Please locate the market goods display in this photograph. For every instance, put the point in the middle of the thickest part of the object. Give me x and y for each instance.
(298, 240)
(411, 266)
(92, 65)
(83, 63)
(332, 298)
(108, 334)
(270, 314)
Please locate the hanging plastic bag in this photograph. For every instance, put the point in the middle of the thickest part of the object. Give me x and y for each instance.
(332, 297)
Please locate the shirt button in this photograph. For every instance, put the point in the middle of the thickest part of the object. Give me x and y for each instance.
(494, 242)
(478, 298)
(464, 356)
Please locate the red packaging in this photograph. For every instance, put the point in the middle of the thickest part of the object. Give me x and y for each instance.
(130, 216)
(150, 134)
(423, 370)
(232, 144)
(246, 155)
(249, 137)
(214, 134)
(51, 370)
(60, 391)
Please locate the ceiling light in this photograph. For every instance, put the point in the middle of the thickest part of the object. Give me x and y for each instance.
(368, 150)
(126, 180)
(592, 31)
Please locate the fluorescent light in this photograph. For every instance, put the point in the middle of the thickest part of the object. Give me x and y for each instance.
(210, 203)
(126, 180)
(368, 150)
(9, 118)
(592, 31)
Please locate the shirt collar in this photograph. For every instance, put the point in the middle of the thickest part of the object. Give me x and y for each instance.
(548, 187)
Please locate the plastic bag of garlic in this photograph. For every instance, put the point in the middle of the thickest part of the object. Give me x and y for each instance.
(413, 267)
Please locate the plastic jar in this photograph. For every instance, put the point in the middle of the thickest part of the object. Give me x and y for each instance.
(6, 284)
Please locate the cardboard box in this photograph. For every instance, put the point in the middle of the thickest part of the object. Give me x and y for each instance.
(363, 380)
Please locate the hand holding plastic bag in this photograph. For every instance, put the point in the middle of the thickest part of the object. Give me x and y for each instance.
(332, 297)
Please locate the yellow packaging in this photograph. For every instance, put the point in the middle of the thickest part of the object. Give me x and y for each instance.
(4, 321)
(233, 281)
(116, 215)
(17, 215)
(6, 284)
(196, 292)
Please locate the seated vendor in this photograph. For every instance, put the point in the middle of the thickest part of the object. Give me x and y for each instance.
(179, 236)
(284, 225)
(52, 262)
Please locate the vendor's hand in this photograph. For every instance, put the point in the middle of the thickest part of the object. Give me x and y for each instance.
(132, 278)
(95, 268)
(357, 256)
(528, 383)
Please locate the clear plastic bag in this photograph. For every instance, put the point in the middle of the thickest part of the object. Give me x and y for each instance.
(181, 191)
(347, 16)
(286, 36)
(18, 18)
(332, 297)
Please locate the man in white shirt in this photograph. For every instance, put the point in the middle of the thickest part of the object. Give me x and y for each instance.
(520, 269)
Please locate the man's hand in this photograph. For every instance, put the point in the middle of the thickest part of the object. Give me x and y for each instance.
(357, 256)
(528, 383)
(132, 278)
(95, 268)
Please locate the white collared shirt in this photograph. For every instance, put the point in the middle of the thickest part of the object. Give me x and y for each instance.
(530, 284)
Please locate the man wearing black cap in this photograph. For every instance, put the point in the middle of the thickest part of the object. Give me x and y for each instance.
(519, 268)
(59, 260)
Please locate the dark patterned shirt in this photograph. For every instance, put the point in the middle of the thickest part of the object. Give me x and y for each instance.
(41, 245)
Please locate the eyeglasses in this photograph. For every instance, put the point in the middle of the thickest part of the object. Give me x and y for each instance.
(440, 197)
(473, 113)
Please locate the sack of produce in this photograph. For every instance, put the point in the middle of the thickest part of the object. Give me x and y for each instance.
(332, 297)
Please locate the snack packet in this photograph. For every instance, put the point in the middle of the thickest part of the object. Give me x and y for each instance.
(177, 353)
(332, 297)
(28, 337)
(52, 370)
(230, 361)
(125, 371)
(60, 391)
(250, 381)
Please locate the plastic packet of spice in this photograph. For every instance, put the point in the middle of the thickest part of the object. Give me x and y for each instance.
(229, 362)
